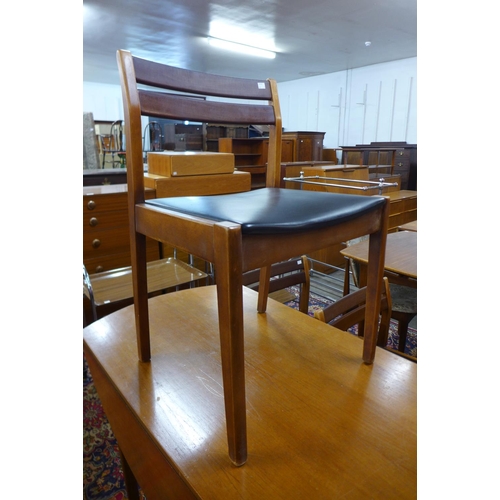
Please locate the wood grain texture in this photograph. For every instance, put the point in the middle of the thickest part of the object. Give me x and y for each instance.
(321, 423)
(400, 253)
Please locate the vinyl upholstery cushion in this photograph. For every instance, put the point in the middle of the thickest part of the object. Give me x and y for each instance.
(274, 210)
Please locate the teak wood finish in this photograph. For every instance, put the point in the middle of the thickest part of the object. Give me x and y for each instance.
(222, 242)
(322, 424)
(400, 258)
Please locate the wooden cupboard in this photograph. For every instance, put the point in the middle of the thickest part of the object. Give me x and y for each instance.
(405, 159)
(308, 146)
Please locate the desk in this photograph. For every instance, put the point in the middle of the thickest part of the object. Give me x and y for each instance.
(400, 257)
(321, 423)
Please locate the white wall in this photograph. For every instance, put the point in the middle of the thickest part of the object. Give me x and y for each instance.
(358, 106)
(104, 101)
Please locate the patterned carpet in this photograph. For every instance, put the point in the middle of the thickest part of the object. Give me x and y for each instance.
(102, 472)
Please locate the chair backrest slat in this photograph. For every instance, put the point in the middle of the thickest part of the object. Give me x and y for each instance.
(182, 80)
(181, 94)
(350, 310)
(163, 105)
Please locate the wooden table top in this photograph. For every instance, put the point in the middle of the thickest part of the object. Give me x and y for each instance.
(400, 253)
(321, 423)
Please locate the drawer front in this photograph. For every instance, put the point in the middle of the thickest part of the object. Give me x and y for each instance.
(395, 207)
(401, 218)
(104, 202)
(409, 204)
(97, 221)
(97, 243)
(109, 202)
(106, 262)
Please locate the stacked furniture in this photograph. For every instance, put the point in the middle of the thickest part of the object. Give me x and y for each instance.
(402, 157)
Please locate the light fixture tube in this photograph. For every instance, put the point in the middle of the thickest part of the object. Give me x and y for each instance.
(241, 48)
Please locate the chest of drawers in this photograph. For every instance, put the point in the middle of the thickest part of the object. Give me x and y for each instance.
(106, 242)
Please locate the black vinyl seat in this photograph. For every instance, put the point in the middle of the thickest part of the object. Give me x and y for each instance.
(274, 210)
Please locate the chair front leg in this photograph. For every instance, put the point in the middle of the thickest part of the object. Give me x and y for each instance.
(375, 274)
(228, 266)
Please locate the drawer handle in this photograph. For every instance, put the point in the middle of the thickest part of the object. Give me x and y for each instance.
(91, 205)
(400, 164)
(401, 153)
(99, 269)
(93, 221)
(96, 243)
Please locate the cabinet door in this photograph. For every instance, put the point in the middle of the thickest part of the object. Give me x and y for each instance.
(304, 149)
(309, 149)
(287, 150)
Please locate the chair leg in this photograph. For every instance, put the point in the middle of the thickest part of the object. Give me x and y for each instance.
(264, 277)
(305, 288)
(347, 278)
(375, 274)
(140, 289)
(228, 263)
(403, 333)
(130, 481)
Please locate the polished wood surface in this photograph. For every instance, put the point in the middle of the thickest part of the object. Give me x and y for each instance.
(400, 254)
(198, 185)
(186, 163)
(321, 423)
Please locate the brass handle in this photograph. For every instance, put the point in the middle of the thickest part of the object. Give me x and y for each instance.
(93, 221)
(400, 164)
(96, 243)
(401, 153)
(91, 205)
(99, 269)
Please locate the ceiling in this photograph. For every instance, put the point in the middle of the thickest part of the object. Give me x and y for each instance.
(311, 37)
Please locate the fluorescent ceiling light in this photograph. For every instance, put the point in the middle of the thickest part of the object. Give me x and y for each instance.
(241, 48)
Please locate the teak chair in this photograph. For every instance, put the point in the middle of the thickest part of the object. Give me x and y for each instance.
(350, 310)
(236, 232)
(403, 299)
(285, 274)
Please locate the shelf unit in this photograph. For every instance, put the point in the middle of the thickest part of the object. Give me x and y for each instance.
(214, 132)
(250, 155)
